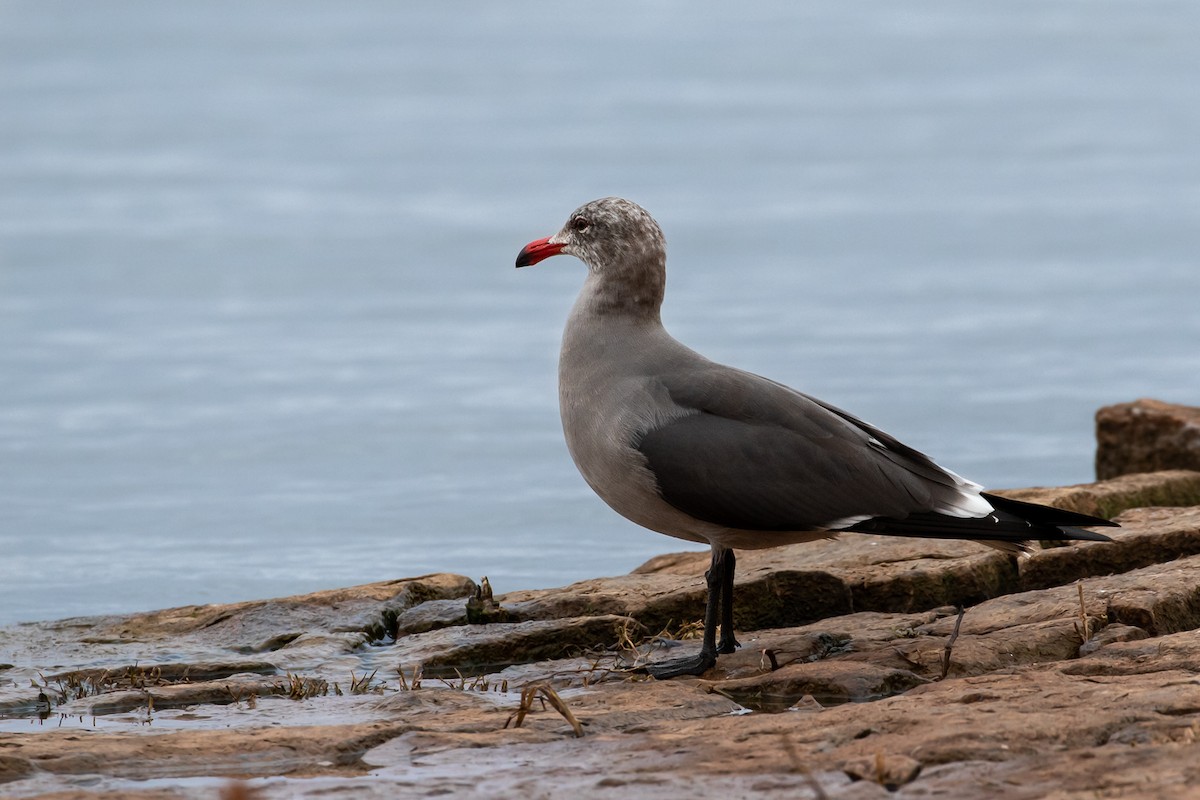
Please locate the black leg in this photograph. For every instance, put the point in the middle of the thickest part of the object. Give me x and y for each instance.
(728, 643)
(719, 572)
(715, 578)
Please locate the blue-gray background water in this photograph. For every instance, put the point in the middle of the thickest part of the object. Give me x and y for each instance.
(260, 332)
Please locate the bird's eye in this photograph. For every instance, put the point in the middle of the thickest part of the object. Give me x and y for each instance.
(580, 224)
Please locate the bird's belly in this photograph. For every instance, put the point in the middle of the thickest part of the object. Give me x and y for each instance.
(617, 473)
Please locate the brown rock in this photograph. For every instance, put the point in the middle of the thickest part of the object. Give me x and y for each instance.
(1146, 536)
(800, 583)
(242, 752)
(621, 707)
(1023, 733)
(1003, 715)
(1021, 715)
(790, 585)
(14, 769)
(980, 653)
(232, 689)
(143, 674)
(828, 682)
(882, 573)
(929, 575)
(431, 615)
(889, 771)
(1011, 631)
(97, 692)
(1048, 625)
(1111, 634)
(1160, 599)
(474, 650)
(1145, 436)
(1179, 652)
(763, 651)
(266, 625)
(1108, 498)
(659, 601)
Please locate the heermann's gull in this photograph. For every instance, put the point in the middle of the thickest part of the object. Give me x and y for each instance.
(708, 453)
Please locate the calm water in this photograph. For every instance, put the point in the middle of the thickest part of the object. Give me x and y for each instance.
(260, 331)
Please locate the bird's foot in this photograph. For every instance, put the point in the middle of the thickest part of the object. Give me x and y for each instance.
(694, 665)
(728, 644)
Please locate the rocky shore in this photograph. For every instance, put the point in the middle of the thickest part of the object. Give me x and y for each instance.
(1072, 673)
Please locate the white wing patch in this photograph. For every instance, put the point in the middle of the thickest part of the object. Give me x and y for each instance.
(963, 500)
(846, 522)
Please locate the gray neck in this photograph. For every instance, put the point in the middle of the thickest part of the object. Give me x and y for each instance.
(628, 289)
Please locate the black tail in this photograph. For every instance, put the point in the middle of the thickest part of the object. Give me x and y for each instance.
(1012, 521)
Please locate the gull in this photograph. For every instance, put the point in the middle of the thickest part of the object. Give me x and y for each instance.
(709, 453)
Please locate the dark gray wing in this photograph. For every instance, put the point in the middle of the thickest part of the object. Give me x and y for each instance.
(753, 454)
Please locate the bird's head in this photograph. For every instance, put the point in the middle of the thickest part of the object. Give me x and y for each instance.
(608, 234)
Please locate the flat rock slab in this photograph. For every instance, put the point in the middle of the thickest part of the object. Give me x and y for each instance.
(789, 585)
(826, 682)
(1146, 536)
(245, 752)
(474, 650)
(664, 601)
(231, 689)
(290, 632)
(265, 625)
(869, 655)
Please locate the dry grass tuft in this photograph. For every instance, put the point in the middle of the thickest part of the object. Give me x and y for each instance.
(79, 684)
(950, 644)
(300, 688)
(364, 685)
(529, 693)
(1084, 627)
(408, 684)
(636, 652)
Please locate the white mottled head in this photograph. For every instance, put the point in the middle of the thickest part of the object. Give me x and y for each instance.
(622, 246)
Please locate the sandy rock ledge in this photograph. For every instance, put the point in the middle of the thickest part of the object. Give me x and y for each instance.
(1075, 673)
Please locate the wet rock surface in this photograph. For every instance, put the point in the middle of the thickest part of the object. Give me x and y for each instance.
(1072, 673)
